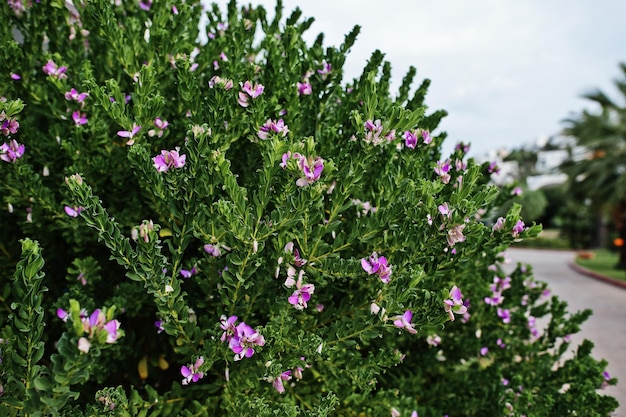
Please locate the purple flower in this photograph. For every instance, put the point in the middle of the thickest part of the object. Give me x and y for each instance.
(73, 211)
(213, 250)
(304, 88)
(146, 5)
(377, 265)
(484, 351)
(159, 325)
(504, 314)
(455, 235)
(277, 383)
(130, 134)
(62, 314)
(493, 168)
(160, 125)
(411, 137)
(192, 372)
(425, 136)
(325, 70)
(79, 118)
(15, 76)
(249, 90)
(76, 96)
(498, 225)
(188, 273)
(410, 140)
(454, 305)
(303, 293)
(518, 228)
(516, 191)
(169, 159)
(52, 70)
(228, 325)
(442, 169)
(444, 210)
(272, 126)
(244, 341)
(373, 131)
(12, 151)
(8, 126)
(225, 83)
(311, 168)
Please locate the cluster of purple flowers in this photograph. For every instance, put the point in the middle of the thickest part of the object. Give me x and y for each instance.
(51, 69)
(272, 126)
(296, 373)
(249, 91)
(169, 159)
(310, 167)
(374, 132)
(96, 326)
(411, 137)
(404, 322)
(454, 305)
(378, 265)
(241, 338)
(302, 293)
(10, 151)
(191, 372)
(498, 286)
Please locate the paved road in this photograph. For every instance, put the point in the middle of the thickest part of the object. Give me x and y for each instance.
(606, 328)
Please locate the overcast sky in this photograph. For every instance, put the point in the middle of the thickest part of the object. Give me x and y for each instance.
(508, 73)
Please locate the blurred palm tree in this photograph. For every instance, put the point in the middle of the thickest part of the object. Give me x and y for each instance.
(598, 178)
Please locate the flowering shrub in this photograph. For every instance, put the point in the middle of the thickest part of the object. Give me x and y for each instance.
(230, 227)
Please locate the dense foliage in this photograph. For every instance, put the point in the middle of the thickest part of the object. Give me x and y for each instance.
(230, 227)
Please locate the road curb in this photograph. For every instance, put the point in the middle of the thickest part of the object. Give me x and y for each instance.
(585, 271)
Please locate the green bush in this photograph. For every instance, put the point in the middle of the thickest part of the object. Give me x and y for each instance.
(229, 227)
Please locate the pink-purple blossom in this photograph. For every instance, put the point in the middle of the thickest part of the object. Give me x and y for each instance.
(241, 338)
(504, 314)
(169, 159)
(455, 235)
(404, 322)
(373, 131)
(224, 83)
(159, 127)
(411, 137)
(9, 126)
(454, 305)
(73, 211)
(74, 95)
(442, 169)
(79, 118)
(12, 151)
(303, 292)
(377, 265)
(213, 250)
(188, 273)
(192, 373)
(53, 70)
(325, 70)
(129, 134)
(518, 228)
(311, 167)
(272, 126)
(304, 88)
(249, 91)
(498, 225)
